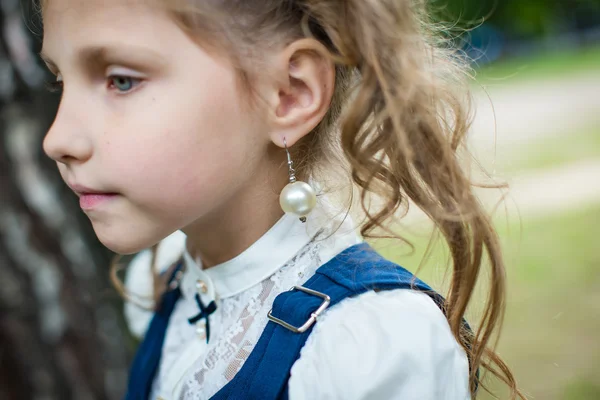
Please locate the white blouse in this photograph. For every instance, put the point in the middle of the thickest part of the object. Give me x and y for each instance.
(386, 345)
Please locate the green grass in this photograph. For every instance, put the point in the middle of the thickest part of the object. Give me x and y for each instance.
(582, 390)
(551, 151)
(542, 66)
(552, 328)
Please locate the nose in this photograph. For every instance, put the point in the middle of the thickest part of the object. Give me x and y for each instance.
(66, 141)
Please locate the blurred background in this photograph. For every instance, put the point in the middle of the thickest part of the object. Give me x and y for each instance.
(537, 128)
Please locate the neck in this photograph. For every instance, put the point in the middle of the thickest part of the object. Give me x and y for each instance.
(228, 235)
(225, 233)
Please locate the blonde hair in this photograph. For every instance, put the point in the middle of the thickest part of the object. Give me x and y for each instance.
(399, 116)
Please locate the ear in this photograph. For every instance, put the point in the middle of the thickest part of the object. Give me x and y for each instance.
(302, 90)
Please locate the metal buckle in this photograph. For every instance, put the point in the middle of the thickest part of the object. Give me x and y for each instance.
(313, 316)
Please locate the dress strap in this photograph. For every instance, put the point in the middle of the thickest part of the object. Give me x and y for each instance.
(356, 270)
(147, 358)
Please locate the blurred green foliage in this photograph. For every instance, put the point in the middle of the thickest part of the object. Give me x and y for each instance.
(521, 18)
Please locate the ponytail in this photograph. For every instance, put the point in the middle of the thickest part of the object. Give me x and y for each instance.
(400, 134)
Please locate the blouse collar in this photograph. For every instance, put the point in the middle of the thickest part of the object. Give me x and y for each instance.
(269, 253)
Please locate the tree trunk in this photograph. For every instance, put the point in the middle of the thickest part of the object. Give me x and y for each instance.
(62, 334)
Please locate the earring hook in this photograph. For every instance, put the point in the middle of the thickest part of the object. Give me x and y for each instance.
(290, 163)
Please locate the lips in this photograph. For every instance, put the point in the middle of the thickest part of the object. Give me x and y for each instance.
(91, 198)
(83, 190)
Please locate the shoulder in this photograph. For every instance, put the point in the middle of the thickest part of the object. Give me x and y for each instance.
(385, 345)
(138, 280)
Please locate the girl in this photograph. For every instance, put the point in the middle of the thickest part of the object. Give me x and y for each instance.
(228, 122)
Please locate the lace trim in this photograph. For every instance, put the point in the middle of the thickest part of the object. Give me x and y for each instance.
(244, 317)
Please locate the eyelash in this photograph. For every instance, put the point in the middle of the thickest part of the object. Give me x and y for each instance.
(135, 82)
(54, 87)
(57, 86)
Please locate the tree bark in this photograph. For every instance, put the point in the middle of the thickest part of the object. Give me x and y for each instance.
(62, 334)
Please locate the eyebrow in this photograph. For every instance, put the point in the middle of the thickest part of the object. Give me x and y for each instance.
(94, 55)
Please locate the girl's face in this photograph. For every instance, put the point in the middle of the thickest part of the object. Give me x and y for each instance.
(148, 119)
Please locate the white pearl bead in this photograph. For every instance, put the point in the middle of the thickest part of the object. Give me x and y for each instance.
(298, 198)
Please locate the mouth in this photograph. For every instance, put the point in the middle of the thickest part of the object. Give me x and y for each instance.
(91, 198)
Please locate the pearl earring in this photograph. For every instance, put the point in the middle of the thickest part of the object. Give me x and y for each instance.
(297, 197)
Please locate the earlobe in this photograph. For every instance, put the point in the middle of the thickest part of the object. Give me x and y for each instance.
(305, 92)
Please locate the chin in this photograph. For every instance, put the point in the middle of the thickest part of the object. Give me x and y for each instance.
(123, 248)
(127, 238)
(125, 245)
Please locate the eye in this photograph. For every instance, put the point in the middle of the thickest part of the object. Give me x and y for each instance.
(122, 84)
(54, 87)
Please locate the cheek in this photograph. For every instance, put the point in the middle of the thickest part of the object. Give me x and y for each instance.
(184, 157)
